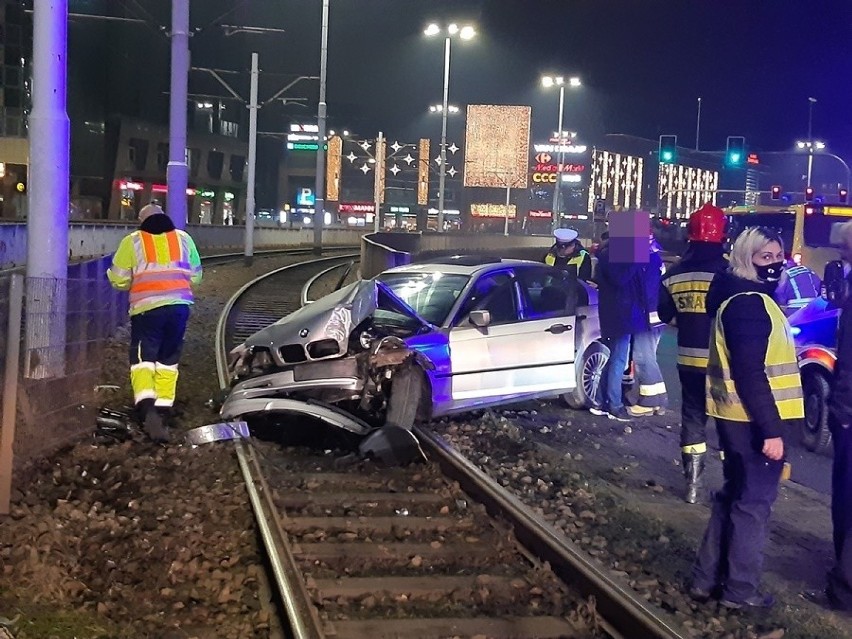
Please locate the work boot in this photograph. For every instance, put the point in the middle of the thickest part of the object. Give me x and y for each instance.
(693, 470)
(155, 428)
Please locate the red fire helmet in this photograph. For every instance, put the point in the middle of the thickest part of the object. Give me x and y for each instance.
(707, 224)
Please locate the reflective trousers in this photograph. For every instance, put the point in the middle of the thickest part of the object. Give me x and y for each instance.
(156, 340)
(693, 410)
(840, 576)
(731, 553)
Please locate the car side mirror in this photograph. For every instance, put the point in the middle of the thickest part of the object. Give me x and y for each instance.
(480, 319)
(834, 283)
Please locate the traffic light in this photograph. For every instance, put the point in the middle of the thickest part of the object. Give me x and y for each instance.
(809, 194)
(668, 149)
(842, 196)
(735, 151)
(776, 192)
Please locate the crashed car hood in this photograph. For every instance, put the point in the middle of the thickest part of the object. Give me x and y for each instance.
(333, 316)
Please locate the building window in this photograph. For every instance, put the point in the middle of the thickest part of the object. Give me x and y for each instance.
(237, 167)
(162, 156)
(137, 150)
(215, 164)
(194, 158)
(231, 129)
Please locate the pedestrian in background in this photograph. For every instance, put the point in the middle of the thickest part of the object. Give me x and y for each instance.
(797, 287)
(567, 252)
(683, 297)
(753, 388)
(158, 265)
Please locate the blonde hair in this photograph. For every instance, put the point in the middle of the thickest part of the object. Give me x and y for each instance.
(749, 242)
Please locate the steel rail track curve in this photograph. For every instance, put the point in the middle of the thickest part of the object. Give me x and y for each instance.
(624, 616)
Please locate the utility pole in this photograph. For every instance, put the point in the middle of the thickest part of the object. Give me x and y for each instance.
(319, 185)
(379, 180)
(252, 158)
(698, 124)
(48, 196)
(177, 172)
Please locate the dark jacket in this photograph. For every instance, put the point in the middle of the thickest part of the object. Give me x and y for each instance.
(157, 224)
(840, 400)
(623, 295)
(688, 305)
(584, 272)
(747, 328)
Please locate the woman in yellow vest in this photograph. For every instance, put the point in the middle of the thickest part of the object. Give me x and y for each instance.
(753, 388)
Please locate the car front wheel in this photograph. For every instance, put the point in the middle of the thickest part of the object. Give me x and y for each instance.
(589, 390)
(815, 433)
(408, 388)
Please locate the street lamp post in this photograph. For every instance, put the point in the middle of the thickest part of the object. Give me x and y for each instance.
(811, 102)
(465, 33)
(549, 81)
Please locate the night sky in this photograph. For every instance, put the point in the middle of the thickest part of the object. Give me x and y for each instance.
(643, 63)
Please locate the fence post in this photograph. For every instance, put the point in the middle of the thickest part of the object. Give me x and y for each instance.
(10, 390)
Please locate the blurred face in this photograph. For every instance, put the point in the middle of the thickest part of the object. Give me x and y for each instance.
(564, 248)
(769, 254)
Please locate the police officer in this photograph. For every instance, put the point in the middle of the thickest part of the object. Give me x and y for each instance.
(568, 252)
(158, 265)
(683, 294)
(753, 388)
(797, 287)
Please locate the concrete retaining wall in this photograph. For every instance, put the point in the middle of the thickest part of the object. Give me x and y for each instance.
(93, 239)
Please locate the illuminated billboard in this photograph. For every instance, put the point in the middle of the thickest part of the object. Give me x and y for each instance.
(683, 189)
(616, 179)
(486, 209)
(497, 141)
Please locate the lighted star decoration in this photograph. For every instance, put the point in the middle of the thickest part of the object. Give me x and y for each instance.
(452, 148)
(396, 146)
(394, 169)
(408, 159)
(351, 157)
(365, 145)
(452, 171)
(438, 160)
(365, 169)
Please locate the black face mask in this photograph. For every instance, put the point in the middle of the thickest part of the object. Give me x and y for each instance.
(770, 272)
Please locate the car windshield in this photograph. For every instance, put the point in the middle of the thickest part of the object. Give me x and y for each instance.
(782, 222)
(431, 295)
(822, 230)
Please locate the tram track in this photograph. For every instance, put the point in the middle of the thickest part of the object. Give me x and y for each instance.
(429, 550)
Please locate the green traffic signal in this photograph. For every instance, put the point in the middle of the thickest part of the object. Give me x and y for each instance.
(734, 158)
(667, 156)
(735, 151)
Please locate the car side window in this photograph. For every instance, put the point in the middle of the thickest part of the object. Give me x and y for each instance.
(494, 293)
(548, 292)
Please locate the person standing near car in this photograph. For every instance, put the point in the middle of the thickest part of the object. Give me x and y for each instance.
(797, 287)
(159, 265)
(567, 252)
(839, 588)
(753, 388)
(683, 297)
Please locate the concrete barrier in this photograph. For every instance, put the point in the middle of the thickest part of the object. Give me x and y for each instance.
(94, 239)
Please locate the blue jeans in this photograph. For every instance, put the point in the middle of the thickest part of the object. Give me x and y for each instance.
(652, 388)
(619, 351)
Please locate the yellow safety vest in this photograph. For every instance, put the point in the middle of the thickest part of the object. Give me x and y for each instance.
(576, 260)
(782, 371)
(689, 294)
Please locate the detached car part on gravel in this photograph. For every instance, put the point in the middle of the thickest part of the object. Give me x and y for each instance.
(426, 340)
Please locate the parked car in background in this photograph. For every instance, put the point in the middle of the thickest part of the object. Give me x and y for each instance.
(426, 340)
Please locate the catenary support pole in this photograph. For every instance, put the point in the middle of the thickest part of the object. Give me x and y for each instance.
(377, 188)
(252, 159)
(506, 221)
(177, 172)
(442, 170)
(319, 188)
(48, 193)
(560, 159)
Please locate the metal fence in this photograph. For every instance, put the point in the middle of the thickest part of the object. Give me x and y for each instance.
(65, 329)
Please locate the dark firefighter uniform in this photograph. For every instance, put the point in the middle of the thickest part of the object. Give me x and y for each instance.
(567, 252)
(753, 387)
(158, 265)
(683, 294)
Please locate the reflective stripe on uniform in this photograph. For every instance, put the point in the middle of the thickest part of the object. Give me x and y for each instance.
(142, 380)
(165, 383)
(652, 390)
(694, 449)
(163, 272)
(693, 357)
(780, 365)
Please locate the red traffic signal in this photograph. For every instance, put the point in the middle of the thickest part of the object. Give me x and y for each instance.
(776, 192)
(809, 194)
(843, 196)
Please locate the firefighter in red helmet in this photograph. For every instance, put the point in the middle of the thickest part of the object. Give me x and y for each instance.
(683, 292)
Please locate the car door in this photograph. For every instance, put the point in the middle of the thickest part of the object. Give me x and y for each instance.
(516, 355)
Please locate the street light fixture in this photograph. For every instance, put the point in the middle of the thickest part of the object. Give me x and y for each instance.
(547, 82)
(439, 108)
(813, 146)
(465, 32)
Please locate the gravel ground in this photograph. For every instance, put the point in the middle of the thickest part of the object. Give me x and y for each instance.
(134, 540)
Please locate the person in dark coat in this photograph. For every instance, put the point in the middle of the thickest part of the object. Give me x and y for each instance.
(624, 310)
(839, 588)
(683, 294)
(753, 388)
